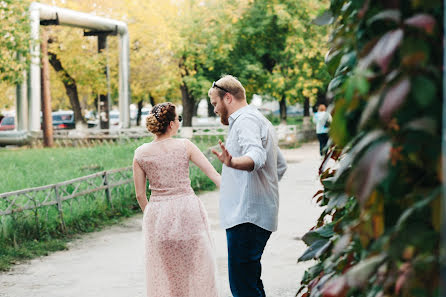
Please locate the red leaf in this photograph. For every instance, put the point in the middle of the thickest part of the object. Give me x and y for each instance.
(336, 287)
(318, 192)
(370, 171)
(422, 21)
(382, 52)
(394, 98)
(405, 271)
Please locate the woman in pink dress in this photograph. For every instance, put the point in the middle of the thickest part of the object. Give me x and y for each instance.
(179, 254)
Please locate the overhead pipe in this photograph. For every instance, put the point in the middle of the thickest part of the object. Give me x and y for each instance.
(41, 14)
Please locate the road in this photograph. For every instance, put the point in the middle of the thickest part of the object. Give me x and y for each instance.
(109, 262)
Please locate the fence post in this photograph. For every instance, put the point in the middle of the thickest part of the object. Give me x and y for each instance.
(107, 189)
(59, 208)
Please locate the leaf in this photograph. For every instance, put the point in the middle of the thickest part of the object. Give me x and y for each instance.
(341, 244)
(358, 275)
(387, 15)
(326, 18)
(355, 83)
(338, 201)
(422, 21)
(351, 155)
(336, 287)
(329, 183)
(424, 90)
(417, 206)
(323, 232)
(382, 52)
(394, 98)
(369, 110)
(315, 250)
(371, 169)
(335, 83)
(424, 124)
(347, 62)
(332, 60)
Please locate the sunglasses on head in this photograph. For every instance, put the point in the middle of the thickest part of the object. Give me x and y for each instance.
(214, 85)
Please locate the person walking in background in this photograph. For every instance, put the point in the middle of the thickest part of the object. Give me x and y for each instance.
(322, 119)
(178, 250)
(249, 192)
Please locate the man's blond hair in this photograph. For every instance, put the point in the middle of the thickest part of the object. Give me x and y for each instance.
(232, 85)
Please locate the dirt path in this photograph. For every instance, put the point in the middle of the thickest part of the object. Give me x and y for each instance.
(109, 262)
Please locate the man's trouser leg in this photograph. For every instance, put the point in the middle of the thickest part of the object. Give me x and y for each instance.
(246, 243)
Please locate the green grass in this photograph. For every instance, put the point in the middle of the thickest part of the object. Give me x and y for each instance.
(26, 168)
(32, 233)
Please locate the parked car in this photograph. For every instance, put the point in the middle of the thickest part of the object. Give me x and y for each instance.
(63, 120)
(114, 119)
(144, 113)
(7, 123)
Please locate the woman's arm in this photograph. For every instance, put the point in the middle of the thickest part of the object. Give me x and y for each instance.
(199, 159)
(139, 178)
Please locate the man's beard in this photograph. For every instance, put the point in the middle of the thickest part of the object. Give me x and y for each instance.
(224, 119)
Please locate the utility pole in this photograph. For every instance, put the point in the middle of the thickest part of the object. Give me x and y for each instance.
(103, 99)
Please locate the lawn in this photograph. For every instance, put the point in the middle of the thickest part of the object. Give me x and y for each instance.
(30, 233)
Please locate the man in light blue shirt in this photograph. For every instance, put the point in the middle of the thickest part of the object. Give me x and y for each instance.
(249, 192)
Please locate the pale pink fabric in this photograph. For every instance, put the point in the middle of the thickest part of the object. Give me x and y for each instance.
(179, 253)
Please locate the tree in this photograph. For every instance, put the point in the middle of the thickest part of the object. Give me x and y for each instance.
(202, 50)
(14, 48)
(279, 52)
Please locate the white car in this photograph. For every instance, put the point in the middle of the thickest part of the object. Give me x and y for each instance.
(114, 119)
(144, 113)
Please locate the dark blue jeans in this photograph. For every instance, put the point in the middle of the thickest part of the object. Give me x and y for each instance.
(246, 243)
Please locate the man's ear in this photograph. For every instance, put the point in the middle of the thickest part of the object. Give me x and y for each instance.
(228, 98)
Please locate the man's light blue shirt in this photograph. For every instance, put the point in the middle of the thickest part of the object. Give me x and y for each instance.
(251, 196)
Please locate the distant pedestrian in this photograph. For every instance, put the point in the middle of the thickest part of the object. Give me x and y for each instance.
(322, 119)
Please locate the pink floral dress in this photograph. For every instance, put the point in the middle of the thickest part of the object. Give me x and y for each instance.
(179, 253)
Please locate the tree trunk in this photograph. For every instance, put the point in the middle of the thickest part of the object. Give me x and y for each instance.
(306, 107)
(211, 112)
(70, 87)
(282, 104)
(196, 108)
(47, 120)
(188, 105)
(138, 115)
(152, 100)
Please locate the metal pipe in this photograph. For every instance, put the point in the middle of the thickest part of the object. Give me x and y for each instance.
(34, 96)
(67, 17)
(124, 75)
(22, 104)
(60, 16)
(15, 137)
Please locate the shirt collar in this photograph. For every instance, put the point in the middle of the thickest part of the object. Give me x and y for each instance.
(237, 113)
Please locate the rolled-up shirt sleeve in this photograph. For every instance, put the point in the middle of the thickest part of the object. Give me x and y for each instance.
(250, 136)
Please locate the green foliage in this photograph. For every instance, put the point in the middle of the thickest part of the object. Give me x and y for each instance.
(379, 232)
(15, 42)
(279, 52)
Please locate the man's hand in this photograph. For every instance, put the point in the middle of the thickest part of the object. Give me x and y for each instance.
(224, 157)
